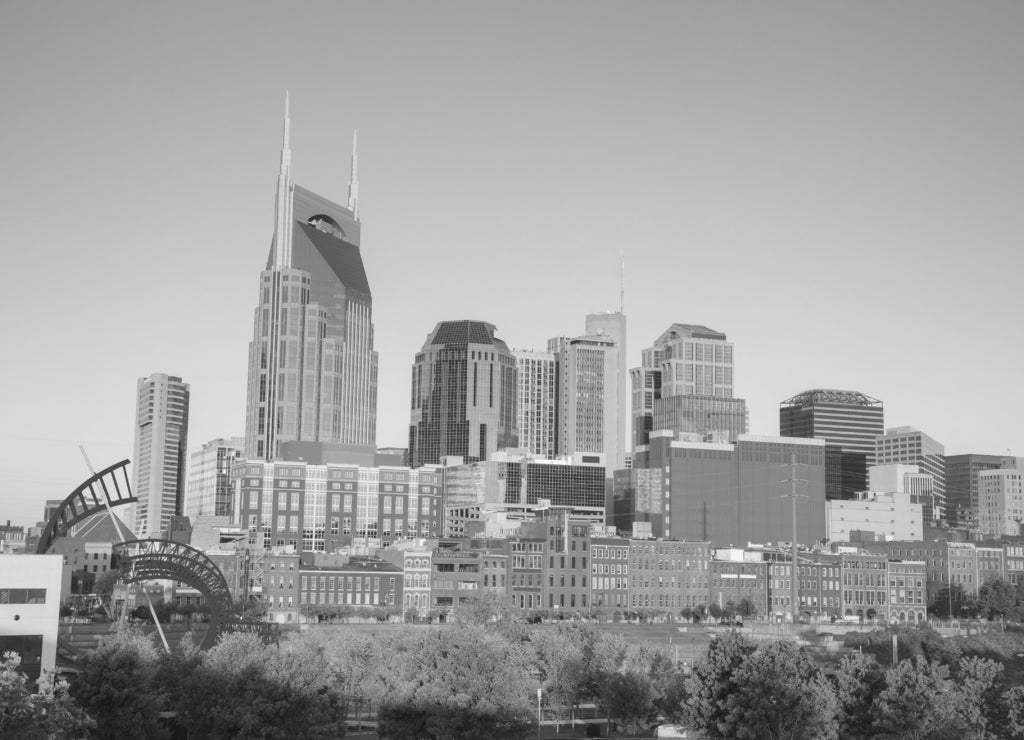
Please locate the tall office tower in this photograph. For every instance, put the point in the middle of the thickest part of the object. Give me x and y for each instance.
(691, 361)
(587, 393)
(1000, 502)
(848, 421)
(312, 367)
(612, 324)
(463, 395)
(210, 489)
(962, 485)
(908, 445)
(161, 441)
(535, 401)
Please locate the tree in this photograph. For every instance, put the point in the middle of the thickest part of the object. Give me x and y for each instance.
(998, 597)
(571, 660)
(483, 607)
(747, 608)
(50, 714)
(454, 683)
(781, 695)
(243, 689)
(628, 698)
(715, 610)
(711, 682)
(116, 685)
(977, 702)
(857, 681)
(916, 703)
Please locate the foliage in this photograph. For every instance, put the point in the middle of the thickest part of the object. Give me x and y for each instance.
(242, 689)
(628, 698)
(857, 681)
(484, 607)
(571, 660)
(117, 686)
(779, 694)
(911, 642)
(454, 683)
(712, 681)
(916, 703)
(50, 714)
(998, 598)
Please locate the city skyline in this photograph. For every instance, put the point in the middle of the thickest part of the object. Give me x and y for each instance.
(872, 158)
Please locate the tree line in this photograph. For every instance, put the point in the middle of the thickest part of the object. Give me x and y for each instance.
(466, 681)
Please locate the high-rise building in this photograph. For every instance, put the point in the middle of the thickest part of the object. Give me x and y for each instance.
(588, 391)
(161, 441)
(536, 399)
(210, 488)
(612, 324)
(962, 485)
(908, 445)
(463, 395)
(694, 362)
(848, 421)
(1000, 502)
(312, 367)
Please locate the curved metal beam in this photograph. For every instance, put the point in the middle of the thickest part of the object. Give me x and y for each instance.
(153, 559)
(110, 485)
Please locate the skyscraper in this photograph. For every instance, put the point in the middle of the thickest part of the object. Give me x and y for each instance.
(695, 362)
(312, 366)
(962, 502)
(209, 478)
(848, 421)
(536, 401)
(463, 395)
(612, 324)
(909, 445)
(161, 441)
(588, 390)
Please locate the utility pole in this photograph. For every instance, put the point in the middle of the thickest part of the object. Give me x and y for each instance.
(794, 597)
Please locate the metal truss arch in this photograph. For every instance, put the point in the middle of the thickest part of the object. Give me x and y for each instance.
(154, 559)
(109, 486)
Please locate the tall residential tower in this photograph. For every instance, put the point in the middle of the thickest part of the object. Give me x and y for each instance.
(312, 366)
(161, 441)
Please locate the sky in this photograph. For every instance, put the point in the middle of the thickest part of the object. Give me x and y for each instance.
(836, 186)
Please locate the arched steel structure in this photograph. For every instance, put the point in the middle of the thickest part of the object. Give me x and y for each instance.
(110, 485)
(144, 560)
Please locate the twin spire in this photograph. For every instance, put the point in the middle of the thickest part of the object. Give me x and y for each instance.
(285, 192)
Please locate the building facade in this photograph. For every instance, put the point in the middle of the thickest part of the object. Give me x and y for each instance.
(848, 421)
(312, 367)
(723, 493)
(962, 485)
(210, 489)
(687, 360)
(882, 516)
(536, 401)
(588, 395)
(463, 395)
(519, 486)
(911, 446)
(612, 324)
(161, 444)
(326, 508)
(1000, 502)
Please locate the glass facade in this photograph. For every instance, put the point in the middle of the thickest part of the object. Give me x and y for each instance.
(463, 395)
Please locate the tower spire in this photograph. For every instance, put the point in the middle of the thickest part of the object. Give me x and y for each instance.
(622, 283)
(283, 209)
(353, 183)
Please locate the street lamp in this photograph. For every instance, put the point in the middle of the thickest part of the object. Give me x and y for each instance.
(539, 691)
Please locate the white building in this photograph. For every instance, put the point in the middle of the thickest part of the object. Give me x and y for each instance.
(1000, 502)
(30, 609)
(536, 401)
(161, 440)
(209, 478)
(890, 516)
